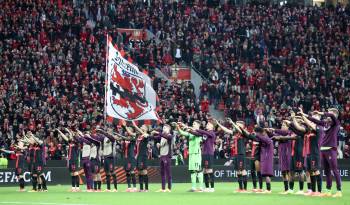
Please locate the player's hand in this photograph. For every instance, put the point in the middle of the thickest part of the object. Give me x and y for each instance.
(216, 121)
(269, 129)
(276, 138)
(229, 120)
(97, 129)
(319, 113)
(287, 122)
(301, 110)
(292, 114)
(154, 132)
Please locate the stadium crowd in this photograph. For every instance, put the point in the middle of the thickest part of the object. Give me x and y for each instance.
(259, 62)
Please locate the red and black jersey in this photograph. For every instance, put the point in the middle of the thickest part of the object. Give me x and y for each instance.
(311, 143)
(141, 147)
(129, 149)
(73, 151)
(298, 143)
(255, 154)
(20, 159)
(239, 145)
(30, 155)
(39, 154)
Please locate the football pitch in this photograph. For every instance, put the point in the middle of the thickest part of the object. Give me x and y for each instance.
(59, 195)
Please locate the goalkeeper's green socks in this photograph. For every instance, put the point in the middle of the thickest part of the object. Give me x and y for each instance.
(200, 180)
(194, 180)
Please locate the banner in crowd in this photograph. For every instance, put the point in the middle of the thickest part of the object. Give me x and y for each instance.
(175, 72)
(129, 93)
(134, 34)
(60, 175)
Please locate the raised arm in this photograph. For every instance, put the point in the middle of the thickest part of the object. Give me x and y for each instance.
(335, 121)
(206, 133)
(245, 132)
(225, 129)
(119, 137)
(284, 138)
(263, 138)
(281, 132)
(7, 151)
(316, 121)
(182, 132)
(155, 135)
(36, 139)
(83, 140)
(92, 140)
(309, 123)
(145, 134)
(127, 129)
(297, 125)
(166, 136)
(25, 140)
(71, 134)
(62, 135)
(107, 134)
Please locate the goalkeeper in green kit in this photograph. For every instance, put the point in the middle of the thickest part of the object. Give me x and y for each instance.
(195, 154)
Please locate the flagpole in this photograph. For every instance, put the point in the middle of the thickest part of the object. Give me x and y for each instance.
(106, 81)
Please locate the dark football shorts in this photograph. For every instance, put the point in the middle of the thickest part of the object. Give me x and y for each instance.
(297, 163)
(129, 164)
(252, 164)
(312, 163)
(38, 168)
(19, 171)
(30, 167)
(73, 166)
(207, 161)
(108, 165)
(239, 162)
(142, 162)
(95, 166)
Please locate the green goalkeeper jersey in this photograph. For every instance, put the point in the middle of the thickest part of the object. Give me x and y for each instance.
(194, 142)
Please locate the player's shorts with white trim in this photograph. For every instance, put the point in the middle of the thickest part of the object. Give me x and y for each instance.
(108, 164)
(239, 162)
(142, 162)
(252, 164)
(297, 163)
(19, 171)
(73, 166)
(129, 164)
(312, 163)
(95, 166)
(195, 162)
(207, 161)
(38, 168)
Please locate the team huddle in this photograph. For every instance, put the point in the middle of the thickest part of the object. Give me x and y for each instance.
(304, 143)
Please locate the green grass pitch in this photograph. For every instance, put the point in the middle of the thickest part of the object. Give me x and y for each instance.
(58, 195)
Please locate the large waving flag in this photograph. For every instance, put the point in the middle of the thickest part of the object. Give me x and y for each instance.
(129, 94)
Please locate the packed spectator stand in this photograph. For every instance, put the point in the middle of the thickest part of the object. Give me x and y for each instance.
(258, 61)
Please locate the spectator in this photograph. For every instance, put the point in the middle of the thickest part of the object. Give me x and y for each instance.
(341, 144)
(205, 105)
